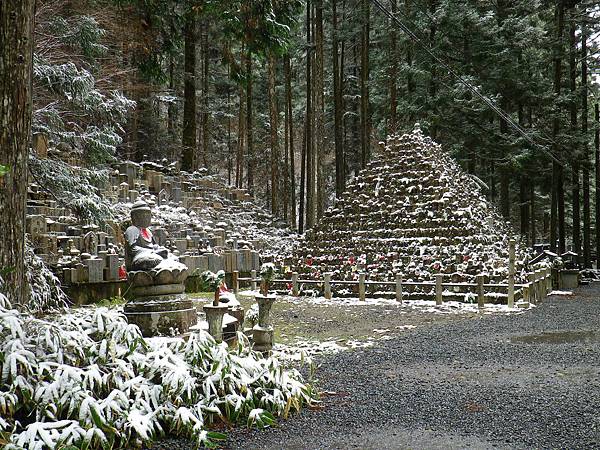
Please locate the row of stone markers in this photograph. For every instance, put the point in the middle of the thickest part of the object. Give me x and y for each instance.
(207, 224)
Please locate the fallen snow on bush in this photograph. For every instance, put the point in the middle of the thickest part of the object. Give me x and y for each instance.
(88, 379)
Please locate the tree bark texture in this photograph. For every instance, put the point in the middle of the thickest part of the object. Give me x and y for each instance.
(557, 217)
(365, 122)
(575, 187)
(16, 60)
(189, 95)
(249, 128)
(587, 259)
(340, 172)
(274, 127)
(290, 130)
(320, 149)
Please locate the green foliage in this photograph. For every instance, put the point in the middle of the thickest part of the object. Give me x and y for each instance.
(4, 170)
(212, 281)
(73, 187)
(89, 380)
(82, 33)
(268, 272)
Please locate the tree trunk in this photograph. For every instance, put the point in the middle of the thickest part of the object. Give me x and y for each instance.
(205, 97)
(587, 259)
(239, 161)
(319, 110)
(16, 55)
(393, 74)
(557, 218)
(273, 117)
(504, 170)
(410, 84)
(597, 167)
(340, 173)
(171, 114)
(532, 209)
(524, 202)
(308, 132)
(249, 130)
(290, 126)
(189, 95)
(574, 146)
(365, 125)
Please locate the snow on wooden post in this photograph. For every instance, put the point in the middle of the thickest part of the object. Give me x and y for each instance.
(253, 281)
(295, 291)
(480, 295)
(327, 280)
(525, 290)
(532, 293)
(399, 287)
(548, 280)
(438, 288)
(361, 287)
(511, 273)
(235, 281)
(540, 284)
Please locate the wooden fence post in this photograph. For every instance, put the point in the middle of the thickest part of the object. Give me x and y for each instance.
(511, 273)
(438, 288)
(480, 294)
(327, 279)
(295, 291)
(361, 287)
(548, 280)
(399, 287)
(253, 281)
(532, 293)
(235, 280)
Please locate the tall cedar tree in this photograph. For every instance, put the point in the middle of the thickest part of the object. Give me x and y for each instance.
(16, 65)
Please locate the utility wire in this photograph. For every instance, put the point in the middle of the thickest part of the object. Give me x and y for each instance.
(504, 115)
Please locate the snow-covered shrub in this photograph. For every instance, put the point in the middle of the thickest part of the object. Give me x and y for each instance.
(88, 379)
(75, 188)
(45, 292)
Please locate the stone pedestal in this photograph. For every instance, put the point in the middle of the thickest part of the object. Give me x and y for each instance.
(214, 317)
(263, 338)
(262, 333)
(161, 309)
(568, 279)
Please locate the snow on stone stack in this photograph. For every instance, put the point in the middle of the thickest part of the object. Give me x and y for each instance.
(411, 211)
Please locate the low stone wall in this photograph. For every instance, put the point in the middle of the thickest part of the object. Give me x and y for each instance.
(88, 293)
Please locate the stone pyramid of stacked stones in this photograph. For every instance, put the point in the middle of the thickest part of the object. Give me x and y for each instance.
(412, 210)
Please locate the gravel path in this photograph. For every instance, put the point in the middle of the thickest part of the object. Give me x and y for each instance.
(521, 381)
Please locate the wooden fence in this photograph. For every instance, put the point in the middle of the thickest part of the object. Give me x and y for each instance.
(538, 286)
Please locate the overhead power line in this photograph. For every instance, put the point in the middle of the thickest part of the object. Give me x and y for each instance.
(499, 111)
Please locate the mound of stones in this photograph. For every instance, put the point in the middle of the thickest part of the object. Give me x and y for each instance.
(413, 211)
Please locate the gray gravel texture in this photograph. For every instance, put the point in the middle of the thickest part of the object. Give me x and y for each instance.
(518, 381)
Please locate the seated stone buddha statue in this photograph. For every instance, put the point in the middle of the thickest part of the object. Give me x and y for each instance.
(145, 260)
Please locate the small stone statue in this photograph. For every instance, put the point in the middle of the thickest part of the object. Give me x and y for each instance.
(158, 304)
(142, 254)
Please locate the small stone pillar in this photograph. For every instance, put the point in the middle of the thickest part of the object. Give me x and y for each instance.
(511, 274)
(214, 317)
(263, 332)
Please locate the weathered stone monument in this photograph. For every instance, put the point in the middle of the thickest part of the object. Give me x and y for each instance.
(157, 280)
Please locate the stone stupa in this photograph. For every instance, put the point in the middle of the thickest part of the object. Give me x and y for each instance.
(412, 211)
